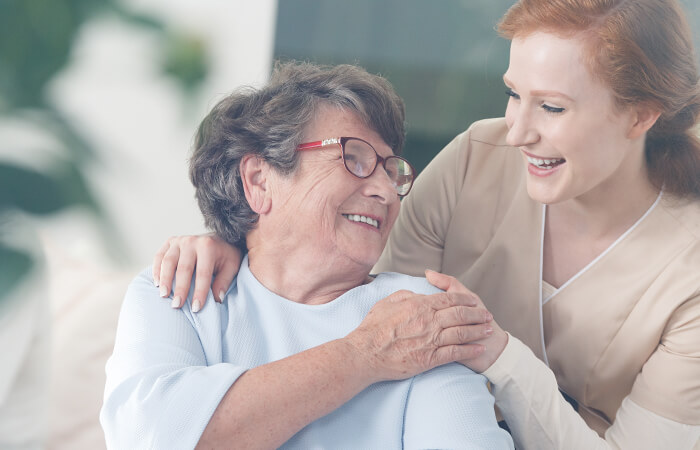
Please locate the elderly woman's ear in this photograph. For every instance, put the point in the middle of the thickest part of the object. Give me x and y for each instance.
(255, 174)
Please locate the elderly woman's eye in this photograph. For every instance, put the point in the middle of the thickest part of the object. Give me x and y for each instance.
(353, 164)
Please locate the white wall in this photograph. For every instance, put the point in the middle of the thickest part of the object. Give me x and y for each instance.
(141, 124)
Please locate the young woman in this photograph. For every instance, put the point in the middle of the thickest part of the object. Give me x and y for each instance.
(576, 219)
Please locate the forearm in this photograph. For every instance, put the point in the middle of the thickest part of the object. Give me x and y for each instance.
(539, 417)
(267, 405)
(528, 397)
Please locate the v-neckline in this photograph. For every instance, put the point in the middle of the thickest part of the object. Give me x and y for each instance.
(595, 260)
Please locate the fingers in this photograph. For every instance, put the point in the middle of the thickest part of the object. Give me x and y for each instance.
(167, 268)
(466, 334)
(452, 353)
(158, 259)
(211, 259)
(406, 334)
(446, 282)
(202, 281)
(224, 277)
(462, 315)
(178, 258)
(443, 300)
(184, 267)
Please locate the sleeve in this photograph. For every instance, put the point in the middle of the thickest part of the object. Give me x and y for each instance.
(669, 383)
(417, 239)
(527, 395)
(450, 407)
(160, 393)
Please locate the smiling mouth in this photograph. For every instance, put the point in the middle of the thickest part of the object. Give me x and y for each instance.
(545, 163)
(362, 219)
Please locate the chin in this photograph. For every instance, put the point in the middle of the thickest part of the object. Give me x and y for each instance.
(545, 196)
(368, 259)
(370, 262)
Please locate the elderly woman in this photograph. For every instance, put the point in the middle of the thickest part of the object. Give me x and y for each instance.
(303, 175)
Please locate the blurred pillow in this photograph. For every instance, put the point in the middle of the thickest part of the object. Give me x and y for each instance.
(85, 304)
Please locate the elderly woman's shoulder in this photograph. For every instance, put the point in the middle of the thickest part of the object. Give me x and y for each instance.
(143, 281)
(143, 295)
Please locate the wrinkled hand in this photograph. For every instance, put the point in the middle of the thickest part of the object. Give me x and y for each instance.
(493, 344)
(210, 256)
(406, 334)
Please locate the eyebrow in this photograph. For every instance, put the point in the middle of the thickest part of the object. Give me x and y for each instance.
(542, 92)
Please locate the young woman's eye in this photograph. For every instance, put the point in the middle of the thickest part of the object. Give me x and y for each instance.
(511, 93)
(552, 109)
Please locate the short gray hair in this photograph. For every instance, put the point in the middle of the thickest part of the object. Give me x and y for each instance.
(269, 122)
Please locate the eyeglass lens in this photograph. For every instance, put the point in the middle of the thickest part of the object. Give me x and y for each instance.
(361, 160)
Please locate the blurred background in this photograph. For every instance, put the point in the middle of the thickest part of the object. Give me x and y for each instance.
(99, 100)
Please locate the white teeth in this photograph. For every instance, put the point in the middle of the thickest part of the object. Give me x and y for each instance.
(543, 163)
(362, 219)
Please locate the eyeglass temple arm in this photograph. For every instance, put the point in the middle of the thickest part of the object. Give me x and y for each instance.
(317, 144)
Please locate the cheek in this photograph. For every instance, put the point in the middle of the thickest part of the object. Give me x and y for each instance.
(510, 113)
(392, 215)
(583, 144)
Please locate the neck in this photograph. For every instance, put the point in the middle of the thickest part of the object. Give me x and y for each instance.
(302, 275)
(610, 209)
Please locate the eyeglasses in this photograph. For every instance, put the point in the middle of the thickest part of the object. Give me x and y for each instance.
(361, 160)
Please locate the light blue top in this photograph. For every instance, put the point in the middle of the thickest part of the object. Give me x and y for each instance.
(170, 369)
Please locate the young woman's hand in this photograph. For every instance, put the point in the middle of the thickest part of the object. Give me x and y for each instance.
(493, 344)
(208, 255)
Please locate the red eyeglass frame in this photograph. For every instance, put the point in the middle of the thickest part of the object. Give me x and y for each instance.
(342, 140)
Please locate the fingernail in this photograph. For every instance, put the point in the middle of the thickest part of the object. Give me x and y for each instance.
(196, 306)
(156, 282)
(221, 296)
(488, 331)
(163, 291)
(176, 302)
(488, 317)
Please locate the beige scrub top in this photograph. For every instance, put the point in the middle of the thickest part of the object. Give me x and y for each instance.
(627, 325)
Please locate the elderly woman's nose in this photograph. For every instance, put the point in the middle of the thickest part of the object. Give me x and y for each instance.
(380, 185)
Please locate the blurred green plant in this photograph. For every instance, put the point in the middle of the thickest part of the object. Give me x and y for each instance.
(36, 37)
